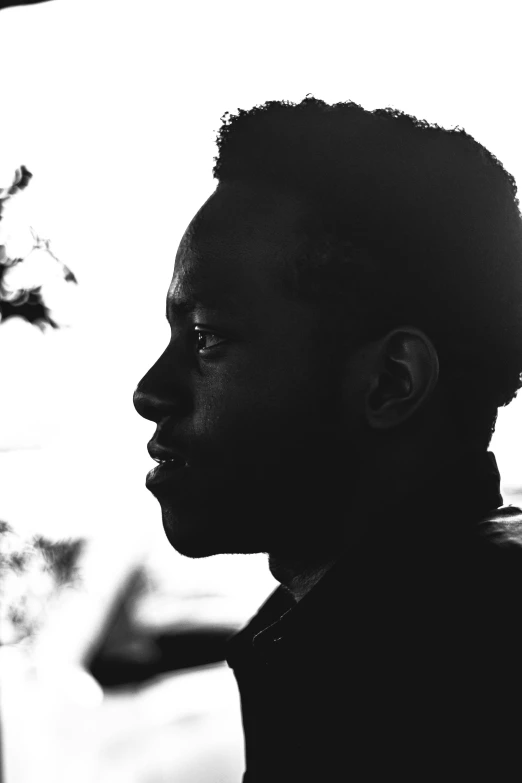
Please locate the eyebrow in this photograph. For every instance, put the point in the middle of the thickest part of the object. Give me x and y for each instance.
(186, 306)
(181, 308)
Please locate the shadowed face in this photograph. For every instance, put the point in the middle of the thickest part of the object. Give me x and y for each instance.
(247, 395)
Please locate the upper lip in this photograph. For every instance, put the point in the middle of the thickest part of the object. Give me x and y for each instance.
(161, 453)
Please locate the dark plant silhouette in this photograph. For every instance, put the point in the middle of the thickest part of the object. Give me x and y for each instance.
(25, 302)
(31, 571)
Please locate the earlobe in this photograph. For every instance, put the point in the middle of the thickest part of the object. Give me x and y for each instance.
(406, 372)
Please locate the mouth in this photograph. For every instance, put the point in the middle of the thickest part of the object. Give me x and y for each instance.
(164, 470)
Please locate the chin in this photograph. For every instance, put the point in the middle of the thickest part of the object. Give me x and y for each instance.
(196, 538)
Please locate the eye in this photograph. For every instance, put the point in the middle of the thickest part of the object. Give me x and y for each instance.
(205, 339)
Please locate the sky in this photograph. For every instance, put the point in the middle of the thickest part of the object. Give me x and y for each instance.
(114, 108)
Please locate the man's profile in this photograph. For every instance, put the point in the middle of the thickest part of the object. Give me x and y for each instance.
(346, 320)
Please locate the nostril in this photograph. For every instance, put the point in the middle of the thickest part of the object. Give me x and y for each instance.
(154, 407)
(146, 405)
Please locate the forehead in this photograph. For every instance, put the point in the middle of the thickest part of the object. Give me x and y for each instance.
(236, 247)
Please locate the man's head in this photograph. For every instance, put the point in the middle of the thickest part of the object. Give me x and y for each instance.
(346, 302)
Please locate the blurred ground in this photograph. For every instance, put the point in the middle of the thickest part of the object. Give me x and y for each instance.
(124, 681)
(58, 727)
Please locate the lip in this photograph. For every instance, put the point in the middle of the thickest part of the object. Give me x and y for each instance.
(159, 452)
(162, 473)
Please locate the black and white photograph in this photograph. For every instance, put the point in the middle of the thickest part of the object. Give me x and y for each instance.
(260, 409)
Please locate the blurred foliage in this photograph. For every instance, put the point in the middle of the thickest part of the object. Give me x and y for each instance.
(24, 300)
(32, 572)
(61, 557)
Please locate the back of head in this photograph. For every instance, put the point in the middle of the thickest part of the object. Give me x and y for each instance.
(406, 223)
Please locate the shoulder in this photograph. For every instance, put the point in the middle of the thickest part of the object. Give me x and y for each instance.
(502, 529)
(493, 567)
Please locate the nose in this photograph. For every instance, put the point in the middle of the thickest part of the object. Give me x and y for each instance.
(158, 394)
(150, 406)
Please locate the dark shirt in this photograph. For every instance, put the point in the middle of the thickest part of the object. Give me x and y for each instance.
(403, 660)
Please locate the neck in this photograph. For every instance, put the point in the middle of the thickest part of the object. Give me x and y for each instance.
(471, 482)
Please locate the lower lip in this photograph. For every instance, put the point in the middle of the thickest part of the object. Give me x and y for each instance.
(161, 473)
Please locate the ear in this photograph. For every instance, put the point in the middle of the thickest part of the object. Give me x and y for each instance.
(405, 372)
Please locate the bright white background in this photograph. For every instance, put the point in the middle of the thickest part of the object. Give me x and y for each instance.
(114, 106)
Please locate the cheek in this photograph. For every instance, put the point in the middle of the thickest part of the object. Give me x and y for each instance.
(257, 426)
(283, 393)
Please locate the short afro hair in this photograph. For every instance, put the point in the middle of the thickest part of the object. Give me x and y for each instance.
(406, 223)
